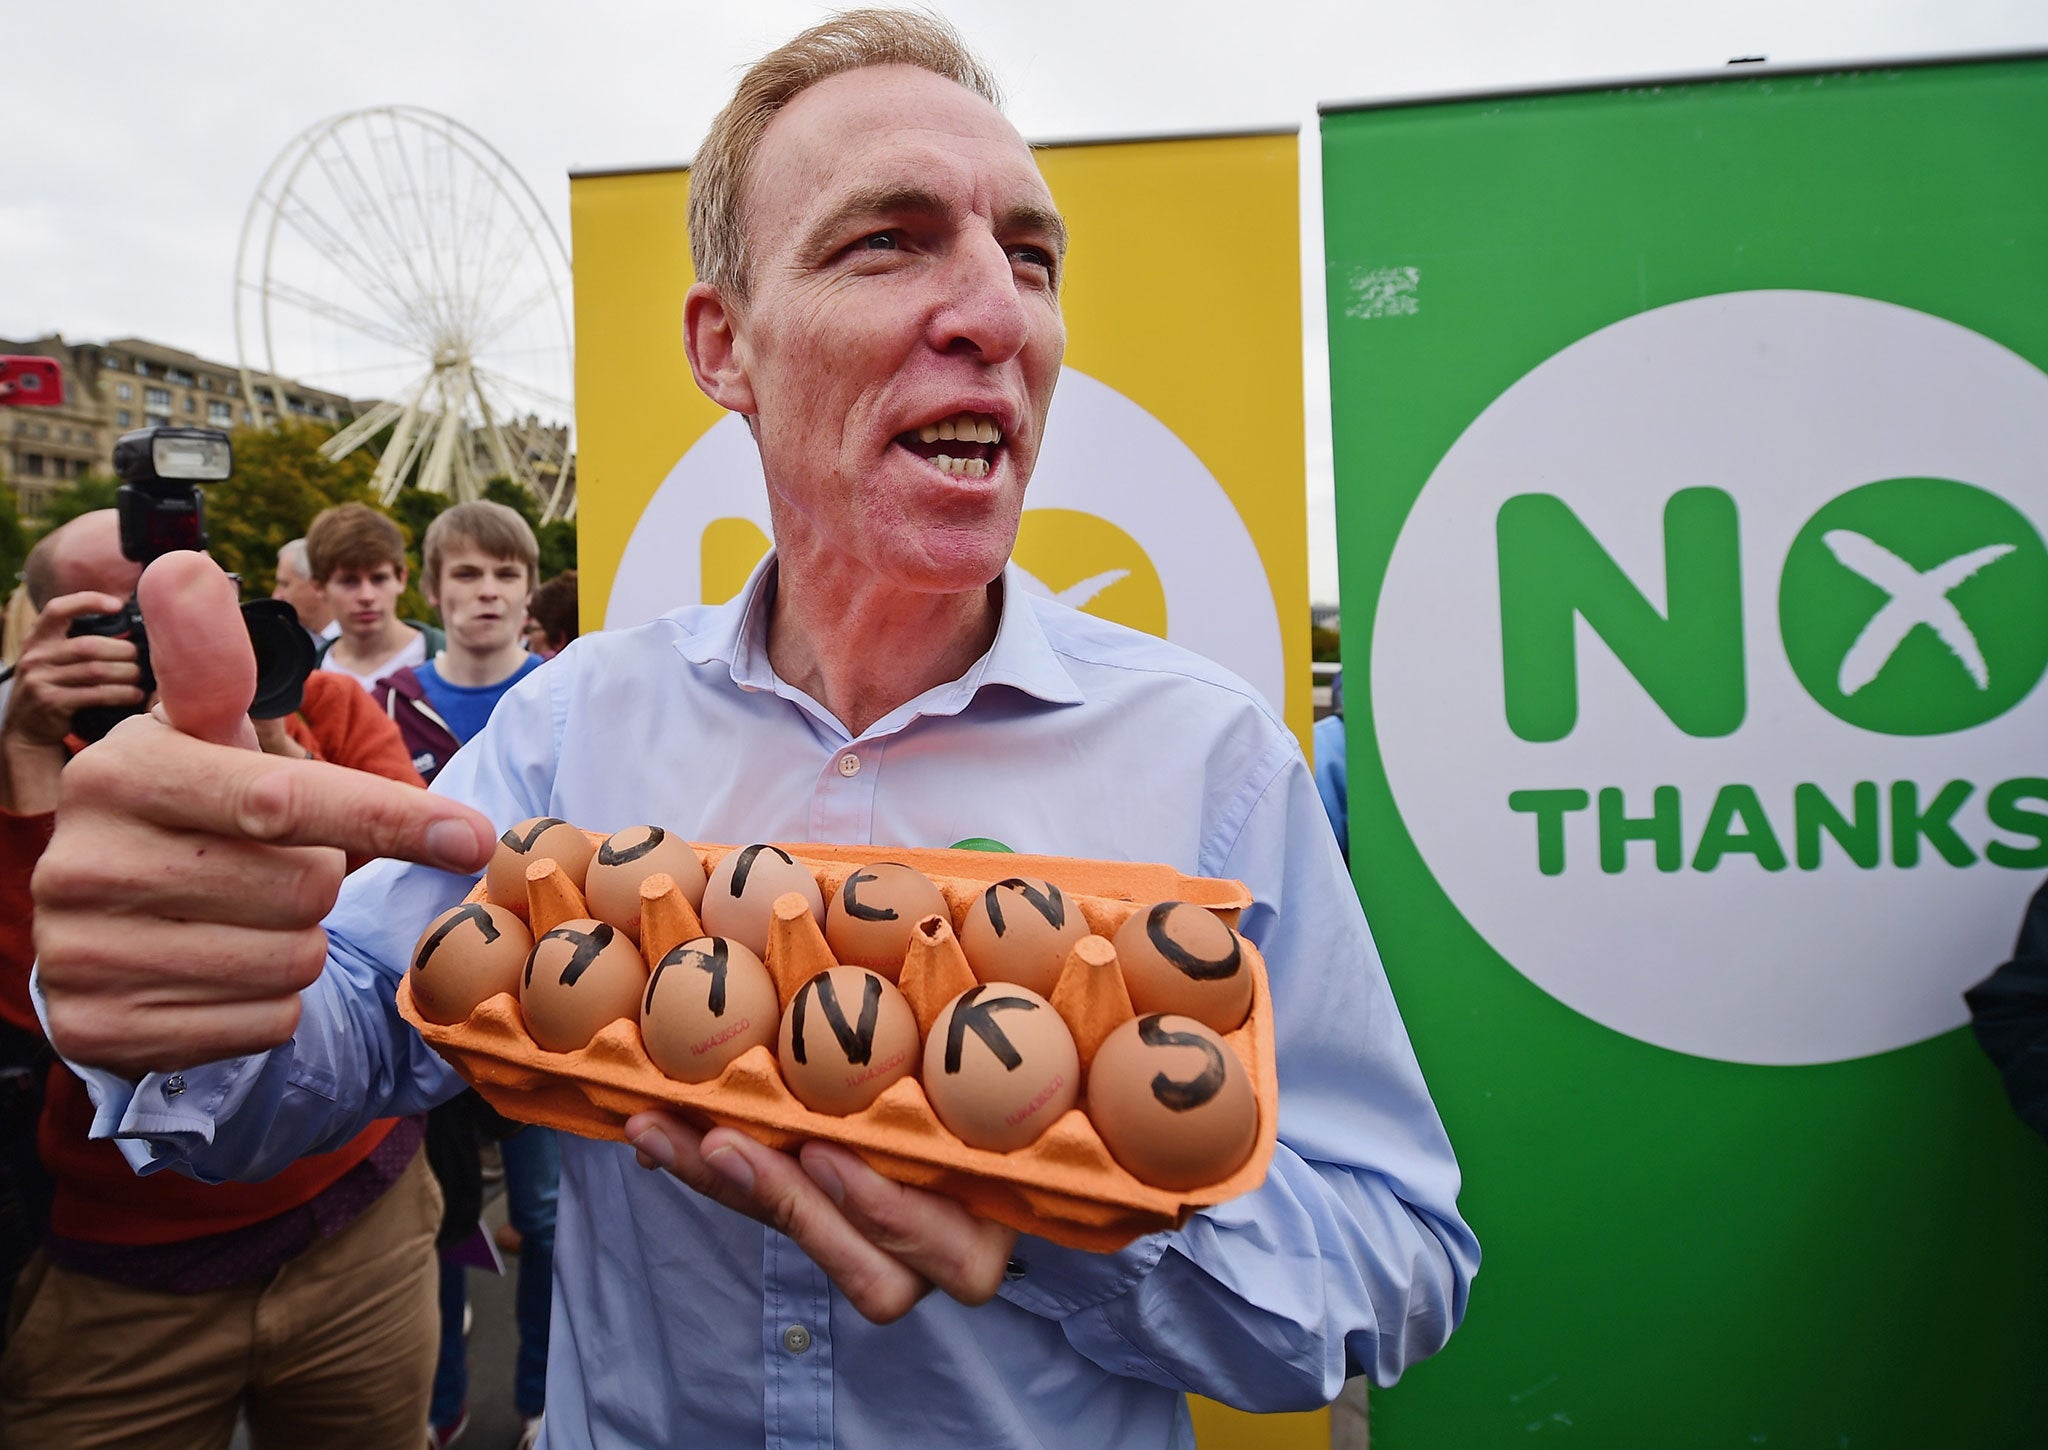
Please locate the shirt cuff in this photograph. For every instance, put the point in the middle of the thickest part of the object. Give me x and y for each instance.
(164, 1118)
(1056, 1282)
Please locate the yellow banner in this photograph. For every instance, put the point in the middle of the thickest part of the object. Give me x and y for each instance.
(1170, 492)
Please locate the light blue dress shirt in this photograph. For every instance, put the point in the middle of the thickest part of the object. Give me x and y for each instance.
(678, 1322)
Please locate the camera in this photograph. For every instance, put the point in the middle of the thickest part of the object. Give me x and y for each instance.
(161, 510)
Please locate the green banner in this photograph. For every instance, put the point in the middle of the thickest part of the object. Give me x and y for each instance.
(1692, 480)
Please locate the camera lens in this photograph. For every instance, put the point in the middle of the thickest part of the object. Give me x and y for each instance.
(284, 657)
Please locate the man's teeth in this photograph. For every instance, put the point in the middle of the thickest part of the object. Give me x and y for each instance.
(963, 427)
(965, 467)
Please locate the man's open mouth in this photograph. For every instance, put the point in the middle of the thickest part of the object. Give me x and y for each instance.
(965, 444)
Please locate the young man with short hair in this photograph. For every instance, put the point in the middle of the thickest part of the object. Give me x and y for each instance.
(358, 560)
(481, 566)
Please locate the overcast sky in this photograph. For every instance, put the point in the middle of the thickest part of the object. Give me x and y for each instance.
(138, 132)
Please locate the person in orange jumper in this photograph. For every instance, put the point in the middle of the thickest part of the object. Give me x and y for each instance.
(159, 1309)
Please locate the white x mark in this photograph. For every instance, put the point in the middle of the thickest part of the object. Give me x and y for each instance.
(1074, 596)
(1916, 599)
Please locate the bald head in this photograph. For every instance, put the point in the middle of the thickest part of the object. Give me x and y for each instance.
(83, 554)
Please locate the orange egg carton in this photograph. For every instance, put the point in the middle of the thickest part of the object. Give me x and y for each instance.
(1064, 1187)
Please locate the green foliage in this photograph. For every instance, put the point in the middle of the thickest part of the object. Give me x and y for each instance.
(415, 509)
(280, 482)
(503, 490)
(87, 493)
(1325, 646)
(557, 547)
(13, 540)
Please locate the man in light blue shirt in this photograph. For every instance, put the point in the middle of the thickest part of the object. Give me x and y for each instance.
(879, 267)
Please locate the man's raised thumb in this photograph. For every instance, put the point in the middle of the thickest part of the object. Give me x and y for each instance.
(199, 648)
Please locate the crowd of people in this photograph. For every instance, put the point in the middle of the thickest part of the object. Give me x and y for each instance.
(313, 1305)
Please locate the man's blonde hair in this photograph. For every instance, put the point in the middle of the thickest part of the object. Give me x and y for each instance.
(850, 41)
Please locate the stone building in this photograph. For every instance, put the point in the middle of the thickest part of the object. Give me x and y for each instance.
(113, 387)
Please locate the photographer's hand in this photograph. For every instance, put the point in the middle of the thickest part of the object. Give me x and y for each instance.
(178, 904)
(56, 677)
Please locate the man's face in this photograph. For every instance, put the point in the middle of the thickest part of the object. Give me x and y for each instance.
(303, 595)
(905, 259)
(482, 598)
(364, 598)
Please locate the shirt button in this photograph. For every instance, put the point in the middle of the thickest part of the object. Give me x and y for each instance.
(849, 765)
(174, 1085)
(796, 1339)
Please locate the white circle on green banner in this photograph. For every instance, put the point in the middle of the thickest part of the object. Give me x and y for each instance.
(1788, 813)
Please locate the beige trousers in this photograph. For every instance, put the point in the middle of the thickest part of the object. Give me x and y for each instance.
(335, 1352)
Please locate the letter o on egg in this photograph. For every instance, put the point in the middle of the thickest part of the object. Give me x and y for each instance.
(1178, 957)
(625, 859)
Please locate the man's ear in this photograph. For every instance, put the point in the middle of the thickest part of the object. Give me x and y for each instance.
(717, 354)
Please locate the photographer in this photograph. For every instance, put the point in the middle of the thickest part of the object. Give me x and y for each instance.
(137, 1320)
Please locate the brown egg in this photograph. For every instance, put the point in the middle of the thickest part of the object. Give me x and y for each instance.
(871, 916)
(847, 1035)
(533, 840)
(1172, 1102)
(627, 858)
(1020, 931)
(466, 956)
(582, 977)
(1177, 957)
(708, 1001)
(1000, 1066)
(740, 898)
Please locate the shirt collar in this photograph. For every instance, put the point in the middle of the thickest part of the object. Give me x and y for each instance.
(1021, 657)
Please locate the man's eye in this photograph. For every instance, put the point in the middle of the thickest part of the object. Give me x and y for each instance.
(879, 242)
(1032, 257)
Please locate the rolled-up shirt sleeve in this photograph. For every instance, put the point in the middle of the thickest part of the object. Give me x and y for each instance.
(1351, 1258)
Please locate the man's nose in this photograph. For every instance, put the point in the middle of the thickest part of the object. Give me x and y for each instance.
(983, 311)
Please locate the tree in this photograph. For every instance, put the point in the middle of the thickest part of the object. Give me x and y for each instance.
(503, 490)
(557, 547)
(1325, 645)
(89, 492)
(13, 540)
(281, 481)
(414, 509)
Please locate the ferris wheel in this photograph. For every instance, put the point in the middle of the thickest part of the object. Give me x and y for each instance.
(394, 256)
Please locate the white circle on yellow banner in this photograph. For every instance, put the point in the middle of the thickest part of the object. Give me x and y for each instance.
(1122, 520)
(1776, 880)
